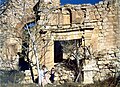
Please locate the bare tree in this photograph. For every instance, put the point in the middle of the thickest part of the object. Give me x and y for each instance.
(26, 32)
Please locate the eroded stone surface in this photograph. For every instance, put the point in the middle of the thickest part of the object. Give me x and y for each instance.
(99, 24)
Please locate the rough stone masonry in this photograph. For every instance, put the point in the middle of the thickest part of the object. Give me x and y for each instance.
(99, 24)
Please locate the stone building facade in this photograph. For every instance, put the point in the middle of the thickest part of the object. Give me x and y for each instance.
(98, 24)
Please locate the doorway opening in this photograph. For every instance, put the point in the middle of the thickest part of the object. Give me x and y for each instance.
(69, 55)
(66, 49)
(58, 52)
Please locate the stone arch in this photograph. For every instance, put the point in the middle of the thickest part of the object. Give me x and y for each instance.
(77, 16)
(67, 16)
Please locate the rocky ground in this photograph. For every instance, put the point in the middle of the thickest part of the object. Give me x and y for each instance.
(64, 77)
(97, 84)
(9, 82)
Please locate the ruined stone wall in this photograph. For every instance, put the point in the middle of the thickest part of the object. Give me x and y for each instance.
(118, 22)
(12, 20)
(118, 35)
(104, 39)
(99, 24)
(103, 19)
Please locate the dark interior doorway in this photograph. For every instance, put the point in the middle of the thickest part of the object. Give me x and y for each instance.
(61, 47)
(58, 52)
(23, 65)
